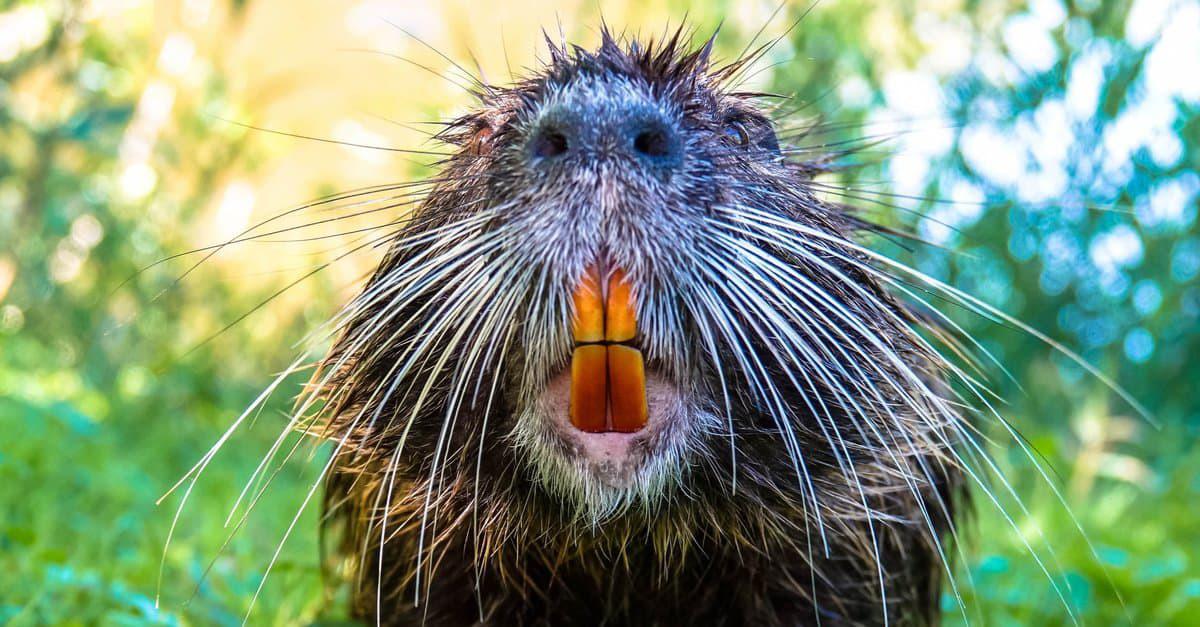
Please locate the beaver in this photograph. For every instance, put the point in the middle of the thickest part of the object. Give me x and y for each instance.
(624, 366)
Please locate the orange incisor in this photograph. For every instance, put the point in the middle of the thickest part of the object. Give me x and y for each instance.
(608, 377)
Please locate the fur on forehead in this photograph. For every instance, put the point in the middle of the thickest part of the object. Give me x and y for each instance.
(669, 68)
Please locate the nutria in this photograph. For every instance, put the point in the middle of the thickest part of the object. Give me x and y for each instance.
(623, 366)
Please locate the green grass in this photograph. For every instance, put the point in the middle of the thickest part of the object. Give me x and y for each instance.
(81, 540)
(1121, 554)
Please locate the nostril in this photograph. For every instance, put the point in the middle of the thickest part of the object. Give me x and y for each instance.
(652, 143)
(549, 143)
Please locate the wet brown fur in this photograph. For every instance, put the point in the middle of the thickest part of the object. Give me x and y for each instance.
(481, 541)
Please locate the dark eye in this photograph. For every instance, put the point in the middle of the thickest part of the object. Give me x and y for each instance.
(736, 131)
(479, 142)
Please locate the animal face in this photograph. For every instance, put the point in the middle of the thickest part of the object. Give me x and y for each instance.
(624, 288)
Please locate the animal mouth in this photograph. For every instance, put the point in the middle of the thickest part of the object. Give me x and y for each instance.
(607, 417)
(608, 371)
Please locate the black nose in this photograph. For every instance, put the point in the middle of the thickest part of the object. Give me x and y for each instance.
(581, 137)
(653, 141)
(549, 142)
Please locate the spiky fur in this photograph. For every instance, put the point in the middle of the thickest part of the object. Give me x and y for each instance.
(816, 475)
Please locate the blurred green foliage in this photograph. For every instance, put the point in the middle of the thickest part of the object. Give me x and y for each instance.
(101, 410)
(1089, 235)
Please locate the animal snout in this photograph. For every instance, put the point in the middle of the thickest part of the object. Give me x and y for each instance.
(583, 136)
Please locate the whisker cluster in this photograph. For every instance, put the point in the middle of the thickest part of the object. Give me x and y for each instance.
(828, 419)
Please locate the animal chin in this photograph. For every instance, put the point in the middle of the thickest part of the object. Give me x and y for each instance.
(615, 458)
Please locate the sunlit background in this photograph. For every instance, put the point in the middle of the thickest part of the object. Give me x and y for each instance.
(1048, 153)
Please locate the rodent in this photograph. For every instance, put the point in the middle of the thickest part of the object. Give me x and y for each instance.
(622, 366)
